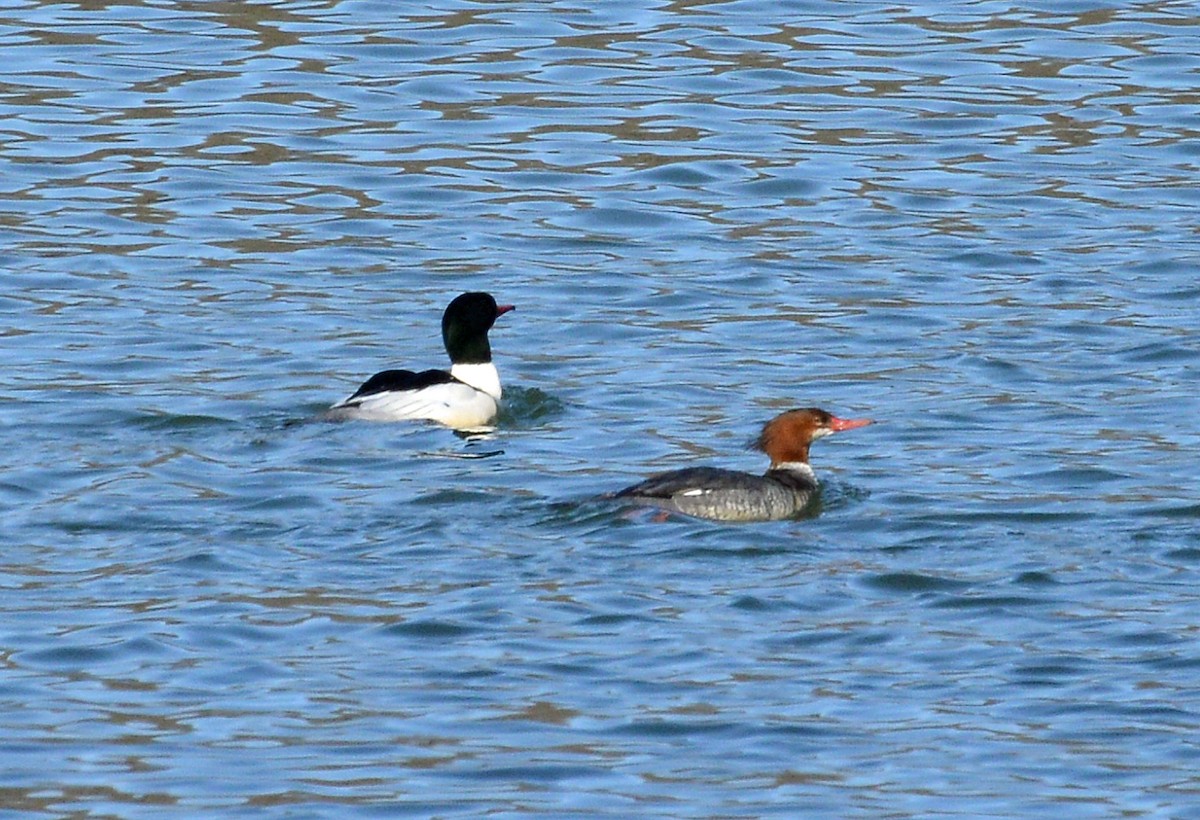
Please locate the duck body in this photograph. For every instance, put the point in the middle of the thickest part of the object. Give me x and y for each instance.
(728, 495)
(787, 488)
(465, 397)
(431, 395)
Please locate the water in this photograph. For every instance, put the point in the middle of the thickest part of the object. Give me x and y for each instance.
(975, 224)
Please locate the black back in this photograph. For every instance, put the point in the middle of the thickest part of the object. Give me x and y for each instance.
(666, 485)
(401, 380)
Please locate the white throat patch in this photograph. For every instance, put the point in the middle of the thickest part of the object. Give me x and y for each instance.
(801, 467)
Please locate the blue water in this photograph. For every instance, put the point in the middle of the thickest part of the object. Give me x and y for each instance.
(975, 224)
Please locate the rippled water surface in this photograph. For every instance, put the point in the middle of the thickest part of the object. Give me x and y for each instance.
(974, 222)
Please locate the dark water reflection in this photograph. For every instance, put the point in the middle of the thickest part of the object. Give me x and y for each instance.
(974, 223)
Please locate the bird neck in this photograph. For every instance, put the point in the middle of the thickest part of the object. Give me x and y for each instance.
(483, 376)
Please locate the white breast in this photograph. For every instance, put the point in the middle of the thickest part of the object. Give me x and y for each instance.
(483, 377)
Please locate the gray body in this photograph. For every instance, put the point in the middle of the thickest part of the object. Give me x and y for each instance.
(728, 495)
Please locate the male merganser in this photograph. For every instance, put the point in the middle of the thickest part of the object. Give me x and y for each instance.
(466, 397)
(788, 486)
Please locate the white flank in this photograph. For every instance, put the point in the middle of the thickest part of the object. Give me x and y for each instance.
(455, 405)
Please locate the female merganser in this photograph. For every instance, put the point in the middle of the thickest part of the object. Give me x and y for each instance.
(465, 397)
(788, 486)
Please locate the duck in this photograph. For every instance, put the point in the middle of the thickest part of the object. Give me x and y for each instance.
(788, 487)
(466, 397)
